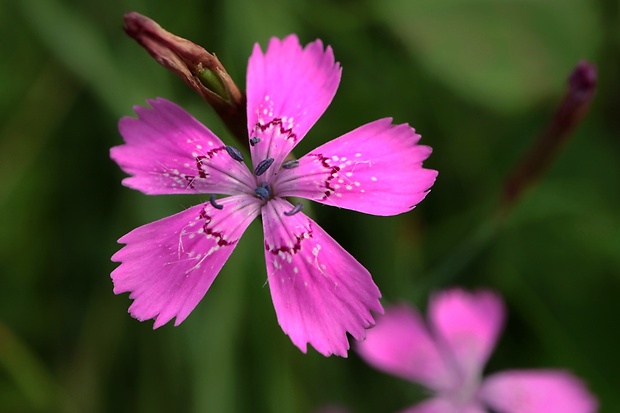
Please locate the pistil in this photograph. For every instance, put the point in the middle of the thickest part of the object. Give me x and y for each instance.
(263, 191)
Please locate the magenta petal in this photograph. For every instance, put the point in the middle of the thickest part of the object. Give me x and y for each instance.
(376, 169)
(441, 405)
(401, 344)
(319, 291)
(169, 265)
(167, 151)
(468, 324)
(288, 89)
(537, 391)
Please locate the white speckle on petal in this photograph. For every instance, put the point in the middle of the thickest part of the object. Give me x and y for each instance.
(315, 250)
(373, 178)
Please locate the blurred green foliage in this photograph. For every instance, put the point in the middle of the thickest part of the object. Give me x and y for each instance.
(478, 78)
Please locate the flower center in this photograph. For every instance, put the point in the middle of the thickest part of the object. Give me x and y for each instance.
(263, 191)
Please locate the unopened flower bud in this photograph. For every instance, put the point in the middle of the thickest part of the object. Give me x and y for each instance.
(572, 109)
(201, 70)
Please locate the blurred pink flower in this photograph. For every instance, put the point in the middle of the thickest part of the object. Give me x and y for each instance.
(448, 356)
(319, 291)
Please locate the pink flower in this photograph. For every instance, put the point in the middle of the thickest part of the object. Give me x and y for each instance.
(449, 353)
(319, 291)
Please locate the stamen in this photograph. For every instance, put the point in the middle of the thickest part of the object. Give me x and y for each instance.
(254, 140)
(215, 204)
(293, 163)
(262, 167)
(234, 153)
(263, 191)
(295, 210)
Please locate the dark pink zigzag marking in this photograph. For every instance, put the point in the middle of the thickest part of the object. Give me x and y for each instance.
(278, 121)
(332, 171)
(217, 235)
(296, 247)
(201, 167)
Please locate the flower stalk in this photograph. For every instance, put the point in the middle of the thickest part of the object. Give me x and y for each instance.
(572, 109)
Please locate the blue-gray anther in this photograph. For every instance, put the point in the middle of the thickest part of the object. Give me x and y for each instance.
(215, 204)
(254, 141)
(295, 210)
(263, 191)
(262, 166)
(234, 153)
(293, 163)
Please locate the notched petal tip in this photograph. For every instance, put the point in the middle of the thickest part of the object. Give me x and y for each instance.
(168, 151)
(375, 169)
(469, 323)
(537, 391)
(167, 266)
(289, 85)
(320, 292)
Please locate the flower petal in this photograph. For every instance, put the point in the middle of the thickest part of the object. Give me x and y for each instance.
(169, 265)
(401, 344)
(376, 169)
(288, 89)
(537, 391)
(319, 291)
(440, 405)
(468, 325)
(169, 152)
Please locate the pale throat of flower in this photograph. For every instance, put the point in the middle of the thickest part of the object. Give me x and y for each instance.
(263, 190)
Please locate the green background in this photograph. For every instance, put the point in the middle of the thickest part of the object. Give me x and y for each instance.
(479, 79)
